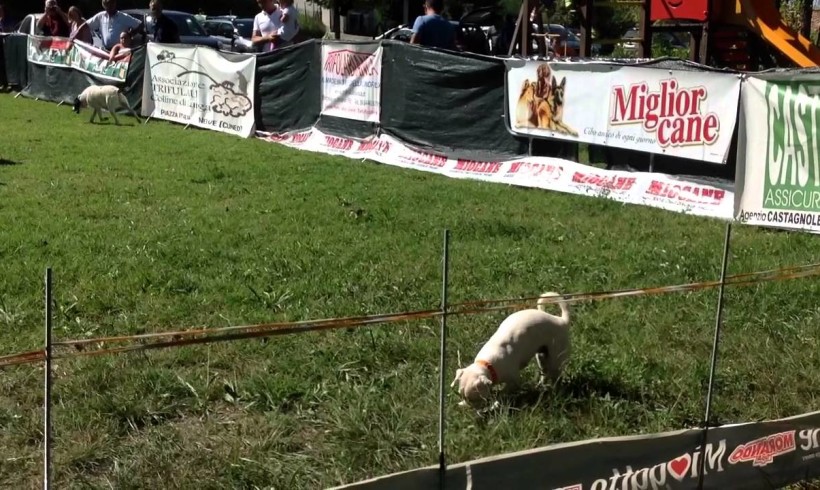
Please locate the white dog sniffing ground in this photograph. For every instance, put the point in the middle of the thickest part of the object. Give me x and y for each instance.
(103, 98)
(520, 337)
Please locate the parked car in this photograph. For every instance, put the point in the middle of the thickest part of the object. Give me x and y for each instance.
(594, 50)
(190, 30)
(29, 25)
(476, 31)
(663, 37)
(563, 41)
(227, 33)
(244, 27)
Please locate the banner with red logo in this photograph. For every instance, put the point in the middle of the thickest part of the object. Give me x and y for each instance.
(352, 81)
(686, 114)
(779, 153)
(760, 455)
(698, 198)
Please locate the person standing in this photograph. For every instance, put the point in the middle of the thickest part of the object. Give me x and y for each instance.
(110, 23)
(6, 23)
(266, 26)
(79, 30)
(433, 30)
(290, 23)
(165, 29)
(54, 22)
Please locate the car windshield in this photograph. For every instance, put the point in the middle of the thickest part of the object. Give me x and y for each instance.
(632, 34)
(188, 25)
(245, 27)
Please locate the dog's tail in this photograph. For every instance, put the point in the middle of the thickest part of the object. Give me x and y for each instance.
(543, 300)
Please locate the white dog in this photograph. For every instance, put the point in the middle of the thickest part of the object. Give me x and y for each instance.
(103, 98)
(520, 337)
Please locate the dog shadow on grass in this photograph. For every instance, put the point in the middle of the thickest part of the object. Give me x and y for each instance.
(8, 163)
(578, 387)
(109, 122)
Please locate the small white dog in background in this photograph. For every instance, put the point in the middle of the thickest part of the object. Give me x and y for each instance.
(520, 337)
(103, 98)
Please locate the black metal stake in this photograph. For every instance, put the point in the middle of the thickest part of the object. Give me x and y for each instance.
(442, 359)
(715, 345)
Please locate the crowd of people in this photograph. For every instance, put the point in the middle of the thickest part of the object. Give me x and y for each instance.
(274, 27)
(115, 29)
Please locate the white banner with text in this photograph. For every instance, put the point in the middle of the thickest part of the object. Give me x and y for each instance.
(779, 154)
(352, 81)
(686, 114)
(649, 189)
(200, 86)
(63, 53)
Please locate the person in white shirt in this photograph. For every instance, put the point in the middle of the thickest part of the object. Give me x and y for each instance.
(290, 23)
(110, 23)
(266, 26)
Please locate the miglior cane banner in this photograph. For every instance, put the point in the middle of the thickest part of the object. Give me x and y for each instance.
(685, 114)
(201, 87)
(779, 153)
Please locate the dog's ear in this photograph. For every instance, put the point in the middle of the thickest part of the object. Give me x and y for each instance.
(563, 82)
(483, 385)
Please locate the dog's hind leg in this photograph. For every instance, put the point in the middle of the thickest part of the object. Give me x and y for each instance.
(542, 358)
(113, 113)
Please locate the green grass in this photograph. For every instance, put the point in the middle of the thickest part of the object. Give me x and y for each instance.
(154, 228)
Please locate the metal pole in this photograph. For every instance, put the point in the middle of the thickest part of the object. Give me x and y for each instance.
(442, 359)
(517, 28)
(715, 345)
(47, 402)
(651, 162)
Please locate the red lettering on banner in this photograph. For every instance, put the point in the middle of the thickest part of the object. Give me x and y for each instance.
(294, 138)
(347, 63)
(672, 112)
(299, 138)
(426, 159)
(478, 167)
(763, 451)
(686, 192)
(553, 172)
(614, 183)
(337, 143)
(376, 145)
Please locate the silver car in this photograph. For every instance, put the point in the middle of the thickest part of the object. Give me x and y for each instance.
(228, 34)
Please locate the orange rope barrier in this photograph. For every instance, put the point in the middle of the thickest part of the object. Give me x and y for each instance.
(197, 336)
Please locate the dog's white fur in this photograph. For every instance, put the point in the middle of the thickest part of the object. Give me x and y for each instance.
(520, 337)
(104, 98)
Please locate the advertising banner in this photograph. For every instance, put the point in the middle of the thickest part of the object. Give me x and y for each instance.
(201, 87)
(352, 81)
(760, 455)
(648, 189)
(60, 52)
(684, 114)
(779, 154)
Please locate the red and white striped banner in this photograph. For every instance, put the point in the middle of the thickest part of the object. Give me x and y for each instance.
(649, 189)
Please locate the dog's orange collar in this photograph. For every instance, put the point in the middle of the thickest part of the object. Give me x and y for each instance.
(489, 367)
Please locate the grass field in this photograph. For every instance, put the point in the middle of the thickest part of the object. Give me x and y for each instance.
(154, 228)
